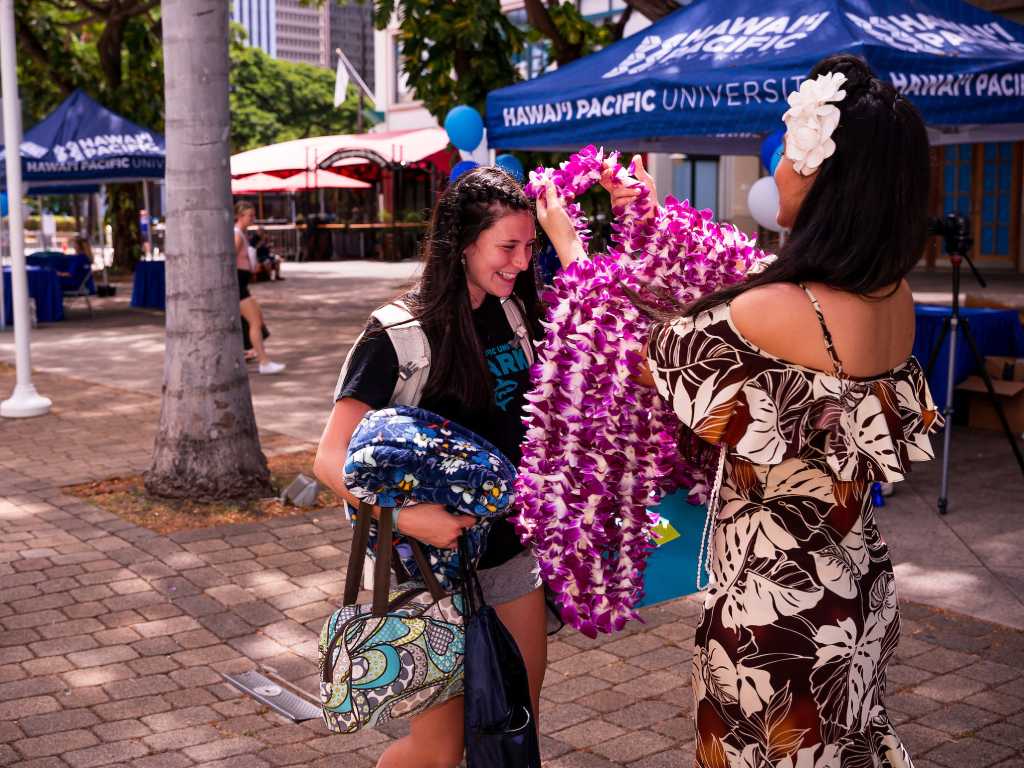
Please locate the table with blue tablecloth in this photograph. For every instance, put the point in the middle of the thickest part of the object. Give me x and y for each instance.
(149, 285)
(44, 287)
(996, 331)
(672, 566)
(77, 266)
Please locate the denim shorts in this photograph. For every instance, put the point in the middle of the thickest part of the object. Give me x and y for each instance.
(510, 580)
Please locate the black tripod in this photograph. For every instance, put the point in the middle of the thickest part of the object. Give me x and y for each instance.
(956, 233)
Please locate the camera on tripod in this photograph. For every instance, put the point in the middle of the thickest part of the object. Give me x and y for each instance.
(955, 231)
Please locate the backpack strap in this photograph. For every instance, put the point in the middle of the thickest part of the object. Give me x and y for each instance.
(411, 348)
(517, 320)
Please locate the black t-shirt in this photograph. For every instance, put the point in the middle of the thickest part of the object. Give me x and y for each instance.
(373, 373)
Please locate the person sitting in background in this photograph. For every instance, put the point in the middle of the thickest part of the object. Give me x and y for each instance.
(84, 248)
(268, 265)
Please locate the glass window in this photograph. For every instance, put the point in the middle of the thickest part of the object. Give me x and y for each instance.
(979, 181)
(958, 179)
(695, 178)
(997, 170)
(402, 93)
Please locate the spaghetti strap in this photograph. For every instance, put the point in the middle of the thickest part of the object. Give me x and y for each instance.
(829, 345)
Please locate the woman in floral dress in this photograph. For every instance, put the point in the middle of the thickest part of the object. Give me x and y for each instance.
(801, 386)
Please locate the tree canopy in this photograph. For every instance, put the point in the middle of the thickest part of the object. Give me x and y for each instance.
(112, 50)
(453, 51)
(456, 51)
(274, 100)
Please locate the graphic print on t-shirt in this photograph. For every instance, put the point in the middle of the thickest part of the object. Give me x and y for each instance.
(504, 361)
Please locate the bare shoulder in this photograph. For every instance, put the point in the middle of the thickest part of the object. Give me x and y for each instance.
(769, 315)
(870, 334)
(905, 296)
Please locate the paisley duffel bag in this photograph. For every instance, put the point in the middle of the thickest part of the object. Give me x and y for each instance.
(398, 655)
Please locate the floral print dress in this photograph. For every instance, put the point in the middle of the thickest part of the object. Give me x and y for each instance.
(801, 616)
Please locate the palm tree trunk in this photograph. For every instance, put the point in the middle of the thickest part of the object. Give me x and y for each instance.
(207, 446)
(125, 202)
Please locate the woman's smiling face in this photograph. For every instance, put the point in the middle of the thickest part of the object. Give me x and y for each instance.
(499, 254)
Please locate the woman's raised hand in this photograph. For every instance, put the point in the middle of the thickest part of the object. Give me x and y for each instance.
(433, 524)
(558, 226)
(645, 377)
(623, 192)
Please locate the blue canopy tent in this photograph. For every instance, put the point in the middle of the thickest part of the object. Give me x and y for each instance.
(81, 144)
(713, 77)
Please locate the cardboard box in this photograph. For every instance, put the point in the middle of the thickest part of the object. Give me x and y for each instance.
(1007, 374)
(1005, 368)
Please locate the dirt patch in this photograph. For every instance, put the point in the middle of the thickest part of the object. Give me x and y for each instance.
(126, 497)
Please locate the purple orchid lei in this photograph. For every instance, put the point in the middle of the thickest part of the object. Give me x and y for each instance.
(601, 449)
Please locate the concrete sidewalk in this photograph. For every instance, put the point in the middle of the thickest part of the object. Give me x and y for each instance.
(313, 315)
(114, 638)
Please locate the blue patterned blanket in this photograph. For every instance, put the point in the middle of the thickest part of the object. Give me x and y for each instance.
(403, 455)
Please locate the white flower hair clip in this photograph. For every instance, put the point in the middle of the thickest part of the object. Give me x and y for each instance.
(810, 120)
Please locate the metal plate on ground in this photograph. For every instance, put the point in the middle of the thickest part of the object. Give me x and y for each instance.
(279, 699)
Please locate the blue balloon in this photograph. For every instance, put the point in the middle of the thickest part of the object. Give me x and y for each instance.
(511, 164)
(465, 127)
(776, 158)
(461, 167)
(771, 150)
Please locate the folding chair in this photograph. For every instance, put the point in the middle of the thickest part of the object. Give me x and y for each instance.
(82, 291)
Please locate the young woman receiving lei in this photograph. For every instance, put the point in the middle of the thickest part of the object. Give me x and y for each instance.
(478, 254)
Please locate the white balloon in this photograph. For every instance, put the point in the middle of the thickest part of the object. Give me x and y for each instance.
(763, 201)
(481, 155)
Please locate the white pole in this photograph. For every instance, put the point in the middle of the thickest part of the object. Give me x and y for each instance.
(149, 219)
(42, 229)
(355, 76)
(24, 401)
(3, 293)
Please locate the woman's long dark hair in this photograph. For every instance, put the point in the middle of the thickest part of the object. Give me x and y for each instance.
(441, 302)
(864, 221)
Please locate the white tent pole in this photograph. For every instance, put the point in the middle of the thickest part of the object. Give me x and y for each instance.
(24, 401)
(149, 218)
(42, 230)
(3, 293)
(101, 213)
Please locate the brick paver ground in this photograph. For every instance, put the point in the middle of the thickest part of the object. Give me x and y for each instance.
(113, 639)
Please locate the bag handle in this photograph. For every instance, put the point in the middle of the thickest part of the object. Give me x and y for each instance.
(357, 555)
(472, 592)
(426, 573)
(382, 565)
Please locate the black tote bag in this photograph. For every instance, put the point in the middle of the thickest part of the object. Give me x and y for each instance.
(499, 719)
